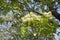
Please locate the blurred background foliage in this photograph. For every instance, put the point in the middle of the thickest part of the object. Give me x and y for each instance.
(27, 19)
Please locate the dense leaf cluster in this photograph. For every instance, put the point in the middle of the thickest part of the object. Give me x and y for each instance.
(29, 19)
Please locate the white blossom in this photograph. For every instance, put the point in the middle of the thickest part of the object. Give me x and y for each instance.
(30, 17)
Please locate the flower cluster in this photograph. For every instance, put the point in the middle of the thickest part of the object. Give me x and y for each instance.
(48, 15)
(31, 16)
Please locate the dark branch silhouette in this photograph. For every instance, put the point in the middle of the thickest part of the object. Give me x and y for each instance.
(55, 13)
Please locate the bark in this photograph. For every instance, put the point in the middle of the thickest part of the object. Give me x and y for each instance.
(55, 13)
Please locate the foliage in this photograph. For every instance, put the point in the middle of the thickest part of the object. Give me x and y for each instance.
(37, 24)
(28, 18)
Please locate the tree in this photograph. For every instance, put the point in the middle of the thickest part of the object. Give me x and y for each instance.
(38, 24)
